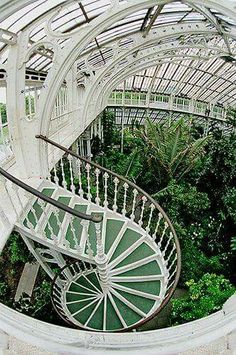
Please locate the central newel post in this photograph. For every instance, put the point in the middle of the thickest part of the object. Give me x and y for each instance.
(101, 259)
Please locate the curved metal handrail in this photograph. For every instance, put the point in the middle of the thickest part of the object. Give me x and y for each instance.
(51, 201)
(149, 198)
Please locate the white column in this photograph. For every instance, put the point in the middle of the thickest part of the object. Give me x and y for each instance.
(23, 131)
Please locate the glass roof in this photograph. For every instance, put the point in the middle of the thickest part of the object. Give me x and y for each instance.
(211, 80)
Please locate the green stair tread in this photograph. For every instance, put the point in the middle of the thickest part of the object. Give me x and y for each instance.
(152, 287)
(113, 227)
(112, 320)
(47, 191)
(84, 315)
(128, 239)
(96, 322)
(94, 279)
(77, 288)
(83, 282)
(76, 225)
(141, 252)
(130, 317)
(74, 307)
(151, 268)
(92, 233)
(145, 304)
(75, 297)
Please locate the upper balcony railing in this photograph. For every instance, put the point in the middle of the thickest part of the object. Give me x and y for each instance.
(167, 102)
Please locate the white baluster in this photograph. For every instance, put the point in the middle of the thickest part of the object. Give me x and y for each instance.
(173, 273)
(105, 203)
(97, 199)
(125, 198)
(171, 253)
(79, 166)
(101, 258)
(167, 244)
(152, 207)
(75, 238)
(59, 223)
(72, 186)
(172, 283)
(89, 249)
(116, 182)
(42, 205)
(88, 168)
(52, 234)
(173, 262)
(64, 184)
(163, 234)
(140, 222)
(135, 193)
(157, 226)
(56, 178)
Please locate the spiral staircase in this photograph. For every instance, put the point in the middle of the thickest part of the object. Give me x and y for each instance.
(123, 256)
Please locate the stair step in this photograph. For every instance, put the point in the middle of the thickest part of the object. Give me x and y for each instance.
(128, 239)
(113, 227)
(130, 317)
(151, 268)
(139, 253)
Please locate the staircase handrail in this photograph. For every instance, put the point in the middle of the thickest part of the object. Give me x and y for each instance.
(149, 198)
(51, 201)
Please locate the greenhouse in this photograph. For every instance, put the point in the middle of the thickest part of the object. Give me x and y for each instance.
(117, 177)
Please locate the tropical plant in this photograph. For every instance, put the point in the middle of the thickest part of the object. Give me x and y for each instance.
(204, 297)
(18, 251)
(171, 150)
(231, 116)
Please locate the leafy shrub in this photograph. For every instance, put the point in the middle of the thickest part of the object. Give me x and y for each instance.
(205, 297)
(18, 251)
(3, 289)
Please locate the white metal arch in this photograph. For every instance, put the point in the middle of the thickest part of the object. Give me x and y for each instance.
(67, 55)
(105, 83)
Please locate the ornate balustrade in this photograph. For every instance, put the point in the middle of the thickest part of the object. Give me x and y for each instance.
(115, 193)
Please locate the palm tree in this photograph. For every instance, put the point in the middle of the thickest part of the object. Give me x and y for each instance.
(171, 150)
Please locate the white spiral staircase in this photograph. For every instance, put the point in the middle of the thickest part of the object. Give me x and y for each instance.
(125, 256)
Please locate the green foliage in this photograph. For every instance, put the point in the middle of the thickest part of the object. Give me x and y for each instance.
(219, 166)
(183, 202)
(3, 110)
(171, 150)
(3, 288)
(231, 116)
(110, 131)
(38, 307)
(230, 203)
(18, 251)
(195, 262)
(205, 297)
